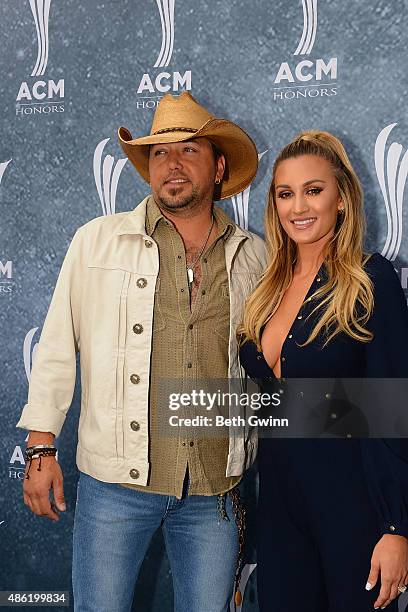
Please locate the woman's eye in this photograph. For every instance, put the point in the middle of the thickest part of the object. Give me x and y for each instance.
(284, 194)
(315, 190)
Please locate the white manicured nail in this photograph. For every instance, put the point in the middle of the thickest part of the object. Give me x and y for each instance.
(369, 586)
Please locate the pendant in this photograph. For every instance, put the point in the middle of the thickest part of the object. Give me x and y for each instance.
(190, 275)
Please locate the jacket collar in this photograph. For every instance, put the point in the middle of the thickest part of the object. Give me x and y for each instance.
(134, 222)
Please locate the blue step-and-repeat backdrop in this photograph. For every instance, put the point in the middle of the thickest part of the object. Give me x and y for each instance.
(71, 73)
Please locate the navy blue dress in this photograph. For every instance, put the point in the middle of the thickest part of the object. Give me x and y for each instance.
(324, 503)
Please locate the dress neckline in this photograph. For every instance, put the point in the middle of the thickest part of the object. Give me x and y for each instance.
(317, 278)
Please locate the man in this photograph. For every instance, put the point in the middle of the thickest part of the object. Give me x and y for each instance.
(146, 295)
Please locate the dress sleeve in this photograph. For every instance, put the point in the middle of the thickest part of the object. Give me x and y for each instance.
(386, 460)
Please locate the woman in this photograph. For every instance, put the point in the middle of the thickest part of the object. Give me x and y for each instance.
(333, 513)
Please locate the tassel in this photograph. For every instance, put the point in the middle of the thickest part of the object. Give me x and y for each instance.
(238, 598)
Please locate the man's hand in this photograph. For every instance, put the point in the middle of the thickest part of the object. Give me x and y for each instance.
(37, 488)
(390, 560)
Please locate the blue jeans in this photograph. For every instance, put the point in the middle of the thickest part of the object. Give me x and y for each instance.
(112, 531)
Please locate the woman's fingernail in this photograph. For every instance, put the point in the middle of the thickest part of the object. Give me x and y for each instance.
(369, 586)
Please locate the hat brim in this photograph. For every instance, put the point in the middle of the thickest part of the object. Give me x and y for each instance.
(238, 148)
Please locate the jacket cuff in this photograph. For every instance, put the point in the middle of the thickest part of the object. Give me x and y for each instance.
(35, 418)
(396, 528)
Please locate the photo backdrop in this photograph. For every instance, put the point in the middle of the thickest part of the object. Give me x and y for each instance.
(71, 74)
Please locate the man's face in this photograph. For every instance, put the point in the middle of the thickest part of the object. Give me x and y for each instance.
(182, 174)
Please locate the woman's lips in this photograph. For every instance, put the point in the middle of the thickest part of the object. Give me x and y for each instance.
(303, 224)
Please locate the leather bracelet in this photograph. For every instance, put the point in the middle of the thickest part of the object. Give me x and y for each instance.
(30, 450)
(45, 452)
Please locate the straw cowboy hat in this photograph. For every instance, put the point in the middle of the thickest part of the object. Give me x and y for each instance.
(181, 118)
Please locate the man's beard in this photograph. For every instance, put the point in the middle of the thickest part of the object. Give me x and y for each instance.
(175, 202)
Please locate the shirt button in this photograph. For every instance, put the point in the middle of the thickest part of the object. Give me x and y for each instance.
(392, 527)
(205, 260)
(318, 279)
(300, 317)
(134, 473)
(191, 443)
(328, 396)
(283, 359)
(290, 336)
(189, 365)
(333, 415)
(148, 244)
(135, 426)
(259, 357)
(348, 436)
(178, 256)
(203, 292)
(182, 290)
(183, 444)
(281, 391)
(135, 379)
(141, 283)
(138, 328)
(190, 326)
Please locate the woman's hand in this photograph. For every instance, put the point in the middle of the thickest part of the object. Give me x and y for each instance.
(390, 559)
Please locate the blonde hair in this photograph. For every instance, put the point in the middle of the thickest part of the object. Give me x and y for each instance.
(346, 299)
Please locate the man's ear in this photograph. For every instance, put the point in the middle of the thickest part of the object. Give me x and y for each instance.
(219, 168)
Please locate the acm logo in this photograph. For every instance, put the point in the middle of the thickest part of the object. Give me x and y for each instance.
(295, 74)
(17, 463)
(153, 85)
(3, 166)
(106, 175)
(6, 277)
(35, 96)
(391, 165)
(240, 203)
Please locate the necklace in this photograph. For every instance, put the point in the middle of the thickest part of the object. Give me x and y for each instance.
(190, 268)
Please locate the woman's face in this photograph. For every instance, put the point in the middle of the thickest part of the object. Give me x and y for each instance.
(307, 198)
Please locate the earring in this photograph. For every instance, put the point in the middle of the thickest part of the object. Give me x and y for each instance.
(341, 211)
(217, 181)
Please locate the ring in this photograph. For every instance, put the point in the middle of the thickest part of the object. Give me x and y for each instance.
(402, 588)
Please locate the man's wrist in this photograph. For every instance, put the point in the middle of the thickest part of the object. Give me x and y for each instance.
(40, 437)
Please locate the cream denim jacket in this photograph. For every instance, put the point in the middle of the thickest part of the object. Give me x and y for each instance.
(105, 287)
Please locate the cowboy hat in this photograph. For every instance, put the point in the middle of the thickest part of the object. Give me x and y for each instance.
(181, 118)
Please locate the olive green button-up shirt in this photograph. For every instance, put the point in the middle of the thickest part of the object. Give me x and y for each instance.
(190, 343)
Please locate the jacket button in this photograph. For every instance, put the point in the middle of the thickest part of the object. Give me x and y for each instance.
(392, 527)
(290, 336)
(141, 283)
(138, 328)
(328, 396)
(283, 359)
(148, 244)
(135, 426)
(191, 443)
(333, 415)
(135, 379)
(134, 473)
(300, 317)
